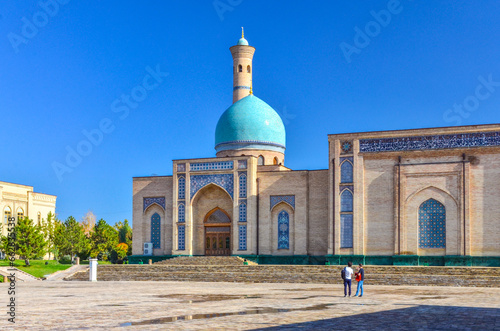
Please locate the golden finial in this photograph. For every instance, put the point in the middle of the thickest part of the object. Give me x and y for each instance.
(242, 33)
(251, 90)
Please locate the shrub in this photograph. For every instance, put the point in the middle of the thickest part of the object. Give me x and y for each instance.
(66, 259)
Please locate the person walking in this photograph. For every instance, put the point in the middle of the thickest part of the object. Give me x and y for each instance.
(360, 277)
(348, 272)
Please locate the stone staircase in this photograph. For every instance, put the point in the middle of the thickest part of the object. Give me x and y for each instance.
(206, 261)
(202, 270)
(20, 275)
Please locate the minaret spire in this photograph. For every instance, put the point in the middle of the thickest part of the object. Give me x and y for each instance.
(242, 68)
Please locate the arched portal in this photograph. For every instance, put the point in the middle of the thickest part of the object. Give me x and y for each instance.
(217, 232)
(212, 213)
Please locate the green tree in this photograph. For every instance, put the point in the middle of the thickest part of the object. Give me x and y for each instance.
(49, 230)
(103, 239)
(70, 237)
(125, 234)
(30, 240)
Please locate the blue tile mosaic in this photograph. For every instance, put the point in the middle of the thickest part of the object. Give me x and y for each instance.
(432, 225)
(242, 209)
(466, 140)
(346, 147)
(242, 164)
(346, 201)
(181, 188)
(204, 166)
(149, 201)
(346, 173)
(181, 214)
(242, 179)
(275, 199)
(242, 237)
(226, 181)
(181, 167)
(181, 232)
(283, 230)
(156, 230)
(346, 232)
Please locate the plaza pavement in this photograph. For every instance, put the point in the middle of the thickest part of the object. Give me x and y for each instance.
(60, 305)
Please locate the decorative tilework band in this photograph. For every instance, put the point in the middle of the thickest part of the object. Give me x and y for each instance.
(226, 181)
(275, 199)
(241, 87)
(149, 201)
(224, 165)
(466, 140)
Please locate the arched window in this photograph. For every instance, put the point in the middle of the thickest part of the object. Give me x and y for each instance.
(7, 214)
(248, 69)
(283, 230)
(181, 236)
(182, 187)
(240, 68)
(260, 160)
(432, 225)
(39, 218)
(243, 185)
(181, 214)
(346, 202)
(346, 172)
(243, 212)
(275, 161)
(155, 230)
(20, 213)
(346, 219)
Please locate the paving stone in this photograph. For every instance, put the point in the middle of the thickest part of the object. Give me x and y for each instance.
(157, 305)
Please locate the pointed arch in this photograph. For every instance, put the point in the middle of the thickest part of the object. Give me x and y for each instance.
(346, 172)
(346, 201)
(20, 213)
(260, 160)
(7, 214)
(217, 215)
(431, 188)
(249, 69)
(242, 181)
(240, 68)
(181, 187)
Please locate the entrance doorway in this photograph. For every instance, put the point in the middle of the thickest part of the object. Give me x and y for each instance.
(217, 233)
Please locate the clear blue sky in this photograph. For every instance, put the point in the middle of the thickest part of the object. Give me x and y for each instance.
(63, 77)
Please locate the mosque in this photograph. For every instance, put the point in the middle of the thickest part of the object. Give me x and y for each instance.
(421, 196)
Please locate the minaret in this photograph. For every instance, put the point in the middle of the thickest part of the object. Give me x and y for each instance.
(242, 68)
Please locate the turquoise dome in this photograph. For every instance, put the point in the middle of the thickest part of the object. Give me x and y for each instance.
(250, 123)
(243, 42)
